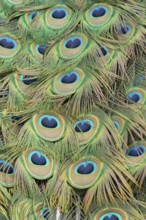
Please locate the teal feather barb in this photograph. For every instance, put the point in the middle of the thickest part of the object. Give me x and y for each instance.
(73, 110)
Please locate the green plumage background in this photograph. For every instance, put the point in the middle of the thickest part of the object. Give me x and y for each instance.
(73, 109)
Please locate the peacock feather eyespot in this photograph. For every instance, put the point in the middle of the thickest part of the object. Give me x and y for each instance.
(27, 80)
(124, 29)
(84, 173)
(33, 14)
(8, 46)
(28, 19)
(98, 11)
(38, 165)
(68, 83)
(37, 158)
(111, 216)
(86, 128)
(6, 167)
(102, 51)
(58, 17)
(135, 97)
(99, 14)
(83, 125)
(87, 167)
(23, 82)
(49, 121)
(126, 33)
(6, 173)
(59, 13)
(119, 123)
(49, 127)
(8, 43)
(73, 42)
(38, 51)
(41, 49)
(73, 46)
(136, 151)
(45, 213)
(136, 154)
(69, 78)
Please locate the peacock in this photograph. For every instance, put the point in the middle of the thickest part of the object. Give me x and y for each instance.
(72, 110)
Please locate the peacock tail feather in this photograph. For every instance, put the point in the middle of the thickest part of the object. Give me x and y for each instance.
(73, 110)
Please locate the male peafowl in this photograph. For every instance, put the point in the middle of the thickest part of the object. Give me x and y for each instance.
(73, 109)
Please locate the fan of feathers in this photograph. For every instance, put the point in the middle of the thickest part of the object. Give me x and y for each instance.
(72, 110)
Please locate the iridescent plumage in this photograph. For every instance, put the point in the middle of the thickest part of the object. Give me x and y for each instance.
(73, 109)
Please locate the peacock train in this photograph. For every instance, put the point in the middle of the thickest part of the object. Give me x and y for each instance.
(72, 110)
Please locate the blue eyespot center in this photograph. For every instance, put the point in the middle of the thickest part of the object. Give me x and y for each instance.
(135, 96)
(73, 42)
(27, 80)
(41, 49)
(116, 124)
(45, 213)
(69, 78)
(6, 167)
(99, 11)
(38, 158)
(83, 125)
(87, 167)
(59, 13)
(111, 216)
(16, 118)
(136, 151)
(52, 123)
(33, 15)
(124, 29)
(49, 121)
(7, 42)
(103, 51)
